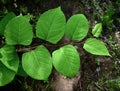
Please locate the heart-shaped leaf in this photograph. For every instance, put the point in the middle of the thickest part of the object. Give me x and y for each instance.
(77, 27)
(96, 31)
(51, 25)
(9, 63)
(4, 21)
(18, 31)
(95, 47)
(37, 63)
(66, 60)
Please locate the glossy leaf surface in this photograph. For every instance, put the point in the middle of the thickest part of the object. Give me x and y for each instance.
(19, 31)
(37, 63)
(51, 25)
(5, 21)
(96, 31)
(66, 60)
(77, 27)
(96, 47)
(9, 63)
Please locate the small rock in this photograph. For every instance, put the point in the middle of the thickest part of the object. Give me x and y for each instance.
(62, 83)
(117, 37)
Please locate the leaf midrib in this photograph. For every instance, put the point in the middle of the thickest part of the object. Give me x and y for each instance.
(51, 24)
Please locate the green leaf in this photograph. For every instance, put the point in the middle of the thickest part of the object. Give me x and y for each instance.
(77, 27)
(66, 60)
(108, 16)
(51, 25)
(5, 21)
(29, 16)
(37, 63)
(9, 57)
(21, 71)
(5, 1)
(96, 31)
(6, 75)
(9, 63)
(95, 47)
(18, 31)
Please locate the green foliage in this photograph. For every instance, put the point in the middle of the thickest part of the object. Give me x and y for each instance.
(51, 27)
(117, 2)
(77, 27)
(18, 31)
(66, 60)
(37, 63)
(95, 47)
(5, 1)
(108, 17)
(96, 31)
(113, 84)
(5, 21)
(8, 64)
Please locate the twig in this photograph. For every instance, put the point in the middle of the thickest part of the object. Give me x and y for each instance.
(26, 49)
(98, 86)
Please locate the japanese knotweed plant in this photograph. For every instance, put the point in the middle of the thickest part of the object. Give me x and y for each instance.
(51, 27)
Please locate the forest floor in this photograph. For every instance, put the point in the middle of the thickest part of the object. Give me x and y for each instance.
(97, 73)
